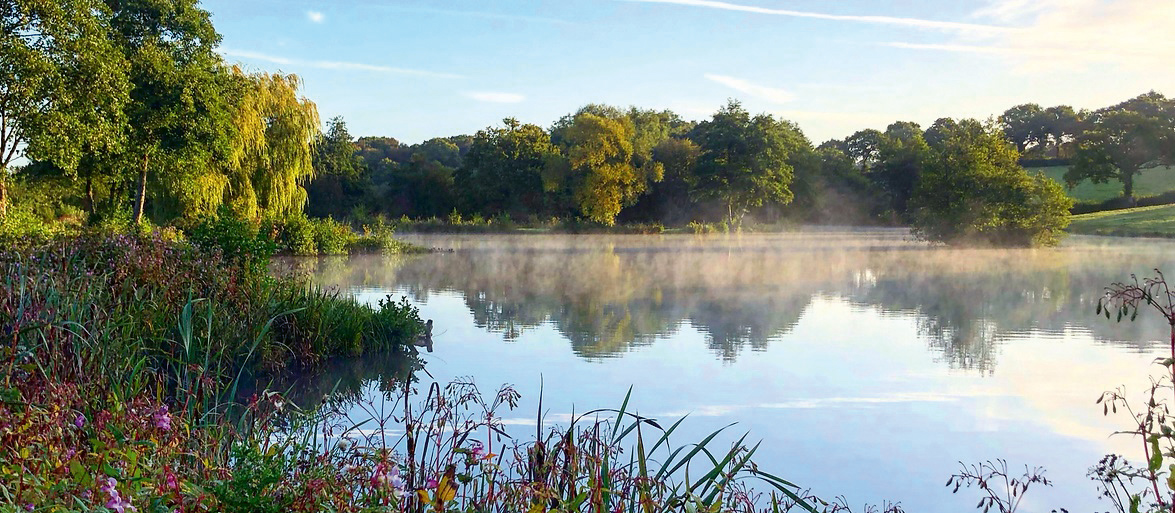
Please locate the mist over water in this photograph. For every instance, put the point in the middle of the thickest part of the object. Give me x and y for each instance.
(868, 363)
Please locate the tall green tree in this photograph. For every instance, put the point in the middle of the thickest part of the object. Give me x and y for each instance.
(669, 200)
(63, 84)
(178, 116)
(901, 156)
(341, 177)
(1025, 126)
(598, 166)
(972, 190)
(744, 160)
(1062, 124)
(1122, 140)
(864, 147)
(503, 170)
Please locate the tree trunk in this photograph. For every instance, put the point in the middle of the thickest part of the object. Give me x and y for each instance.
(1128, 185)
(90, 195)
(3, 193)
(141, 195)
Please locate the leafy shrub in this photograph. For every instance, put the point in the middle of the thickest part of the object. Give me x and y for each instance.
(702, 228)
(296, 235)
(332, 237)
(237, 239)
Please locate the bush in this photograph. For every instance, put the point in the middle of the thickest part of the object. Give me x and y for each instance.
(236, 239)
(972, 191)
(296, 235)
(332, 237)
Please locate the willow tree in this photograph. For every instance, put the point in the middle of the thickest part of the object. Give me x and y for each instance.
(272, 154)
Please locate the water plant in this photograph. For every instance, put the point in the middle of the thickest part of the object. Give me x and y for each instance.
(1151, 487)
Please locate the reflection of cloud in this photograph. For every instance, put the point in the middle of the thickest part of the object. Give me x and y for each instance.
(548, 419)
(1065, 405)
(815, 403)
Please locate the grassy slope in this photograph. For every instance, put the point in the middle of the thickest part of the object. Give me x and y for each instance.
(1158, 221)
(1148, 183)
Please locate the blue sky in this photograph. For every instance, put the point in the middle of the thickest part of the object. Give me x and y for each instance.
(415, 69)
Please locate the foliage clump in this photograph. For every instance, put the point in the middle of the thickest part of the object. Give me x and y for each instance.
(973, 191)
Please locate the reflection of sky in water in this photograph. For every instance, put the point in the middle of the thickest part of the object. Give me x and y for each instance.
(869, 366)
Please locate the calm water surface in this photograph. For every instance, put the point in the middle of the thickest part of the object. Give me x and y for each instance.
(868, 364)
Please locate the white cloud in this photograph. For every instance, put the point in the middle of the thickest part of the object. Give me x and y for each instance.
(494, 97)
(477, 14)
(315, 16)
(770, 94)
(877, 20)
(335, 65)
(1072, 34)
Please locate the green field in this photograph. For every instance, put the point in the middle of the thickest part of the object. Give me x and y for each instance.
(1148, 183)
(1157, 221)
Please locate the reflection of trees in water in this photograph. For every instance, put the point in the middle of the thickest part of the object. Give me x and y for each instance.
(607, 295)
(343, 380)
(739, 322)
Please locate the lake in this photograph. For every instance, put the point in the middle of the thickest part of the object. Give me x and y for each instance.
(868, 364)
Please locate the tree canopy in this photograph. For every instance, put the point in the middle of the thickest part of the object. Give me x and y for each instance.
(1121, 140)
(63, 84)
(973, 191)
(744, 160)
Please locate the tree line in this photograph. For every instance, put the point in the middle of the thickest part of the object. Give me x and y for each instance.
(125, 106)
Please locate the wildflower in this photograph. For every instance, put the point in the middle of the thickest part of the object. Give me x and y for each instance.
(396, 482)
(431, 483)
(115, 501)
(29, 507)
(162, 418)
(478, 452)
(79, 421)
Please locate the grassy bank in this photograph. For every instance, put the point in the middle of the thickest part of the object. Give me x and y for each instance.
(1157, 221)
(121, 362)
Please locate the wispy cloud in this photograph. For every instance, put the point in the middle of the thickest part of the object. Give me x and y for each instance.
(494, 97)
(477, 14)
(770, 94)
(315, 16)
(876, 20)
(334, 65)
(1069, 34)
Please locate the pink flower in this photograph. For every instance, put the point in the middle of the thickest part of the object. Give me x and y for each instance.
(432, 483)
(114, 500)
(162, 419)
